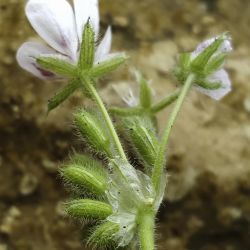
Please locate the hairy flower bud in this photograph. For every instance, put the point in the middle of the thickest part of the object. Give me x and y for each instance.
(91, 129)
(89, 209)
(90, 176)
(143, 137)
(104, 235)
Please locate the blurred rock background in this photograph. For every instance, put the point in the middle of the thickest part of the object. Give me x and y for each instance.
(207, 205)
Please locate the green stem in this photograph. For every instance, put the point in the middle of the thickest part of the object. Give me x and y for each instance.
(106, 117)
(160, 159)
(165, 101)
(125, 111)
(146, 230)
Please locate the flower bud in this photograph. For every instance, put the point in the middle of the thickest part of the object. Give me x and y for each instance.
(145, 91)
(91, 177)
(104, 235)
(144, 139)
(91, 129)
(206, 64)
(89, 209)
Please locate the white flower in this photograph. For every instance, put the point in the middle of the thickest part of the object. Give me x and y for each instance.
(220, 76)
(61, 28)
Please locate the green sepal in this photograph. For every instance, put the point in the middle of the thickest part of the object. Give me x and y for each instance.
(145, 91)
(132, 111)
(88, 209)
(215, 63)
(104, 235)
(107, 66)
(184, 60)
(57, 66)
(86, 174)
(91, 129)
(143, 137)
(87, 51)
(199, 63)
(63, 94)
(208, 85)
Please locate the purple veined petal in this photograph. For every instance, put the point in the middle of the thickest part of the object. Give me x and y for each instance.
(104, 47)
(219, 76)
(26, 55)
(84, 10)
(226, 46)
(54, 21)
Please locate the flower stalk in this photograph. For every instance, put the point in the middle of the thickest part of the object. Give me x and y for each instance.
(92, 91)
(160, 158)
(146, 224)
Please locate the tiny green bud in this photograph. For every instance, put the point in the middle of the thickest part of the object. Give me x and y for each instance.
(144, 139)
(90, 209)
(63, 94)
(59, 67)
(86, 177)
(92, 131)
(87, 51)
(108, 66)
(145, 92)
(104, 235)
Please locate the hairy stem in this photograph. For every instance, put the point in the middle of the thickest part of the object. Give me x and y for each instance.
(146, 230)
(125, 111)
(160, 159)
(106, 117)
(165, 101)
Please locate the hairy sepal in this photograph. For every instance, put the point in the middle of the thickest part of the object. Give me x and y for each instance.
(199, 63)
(57, 66)
(87, 51)
(108, 65)
(63, 94)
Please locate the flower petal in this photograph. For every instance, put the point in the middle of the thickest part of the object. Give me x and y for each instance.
(219, 76)
(26, 58)
(104, 47)
(54, 21)
(226, 46)
(126, 94)
(85, 9)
